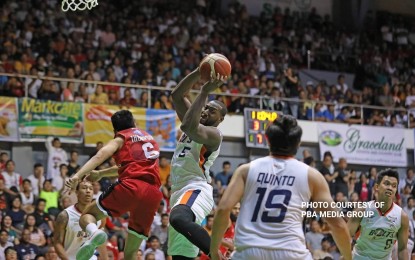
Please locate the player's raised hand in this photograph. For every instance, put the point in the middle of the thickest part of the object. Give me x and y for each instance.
(71, 184)
(94, 176)
(213, 84)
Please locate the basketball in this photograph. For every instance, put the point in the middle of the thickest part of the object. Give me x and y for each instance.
(213, 64)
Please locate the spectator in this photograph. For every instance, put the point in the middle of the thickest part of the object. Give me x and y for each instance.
(51, 197)
(96, 189)
(51, 254)
(16, 213)
(73, 165)
(37, 178)
(99, 97)
(6, 224)
(43, 220)
(5, 198)
(36, 235)
(163, 102)
(409, 180)
(10, 253)
(56, 156)
(27, 196)
(342, 86)
(164, 164)
(59, 181)
(363, 188)
(410, 206)
(154, 249)
(26, 250)
(4, 242)
(128, 100)
(292, 89)
(324, 252)
(161, 231)
(4, 157)
(314, 236)
(342, 178)
(223, 177)
(13, 181)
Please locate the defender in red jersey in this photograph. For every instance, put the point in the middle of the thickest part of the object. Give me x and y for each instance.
(137, 189)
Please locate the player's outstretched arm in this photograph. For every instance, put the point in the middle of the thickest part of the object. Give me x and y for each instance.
(320, 193)
(354, 222)
(403, 234)
(105, 173)
(181, 103)
(59, 234)
(206, 135)
(233, 194)
(103, 154)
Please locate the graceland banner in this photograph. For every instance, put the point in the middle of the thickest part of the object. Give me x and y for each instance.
(159, 123)
(367, 145)
(39, 119)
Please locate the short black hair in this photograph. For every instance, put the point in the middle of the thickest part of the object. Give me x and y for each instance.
(226, 163)
(152, 238)
(284, 135)
(223, 109)
(27, 180)
(122, 120)
(37, 165)
(387, 172)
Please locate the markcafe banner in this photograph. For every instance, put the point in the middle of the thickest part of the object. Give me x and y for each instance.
(367, 145)
(159, 123)
(8, 120)
(39, 119)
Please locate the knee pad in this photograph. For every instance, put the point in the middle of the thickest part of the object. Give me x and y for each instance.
(180, 216)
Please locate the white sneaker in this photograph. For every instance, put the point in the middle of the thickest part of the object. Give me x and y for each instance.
(86, 251)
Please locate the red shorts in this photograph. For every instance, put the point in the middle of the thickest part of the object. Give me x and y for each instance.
(140, 198)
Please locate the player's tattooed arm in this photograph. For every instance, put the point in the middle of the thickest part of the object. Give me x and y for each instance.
(59, 234)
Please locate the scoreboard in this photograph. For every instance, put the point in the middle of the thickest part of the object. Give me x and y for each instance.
(256, 122)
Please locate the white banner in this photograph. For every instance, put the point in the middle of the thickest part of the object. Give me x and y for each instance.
(367, 145)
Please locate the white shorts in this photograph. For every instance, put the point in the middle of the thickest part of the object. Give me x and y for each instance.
(199, 197)
(267, 254)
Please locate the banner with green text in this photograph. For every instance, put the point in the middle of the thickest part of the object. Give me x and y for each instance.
(161, 124)
(39, 119)
(367, 145)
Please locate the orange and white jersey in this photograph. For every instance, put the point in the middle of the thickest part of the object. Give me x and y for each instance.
(191, 163)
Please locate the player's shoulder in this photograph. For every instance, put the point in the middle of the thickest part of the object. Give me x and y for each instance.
(63, 217)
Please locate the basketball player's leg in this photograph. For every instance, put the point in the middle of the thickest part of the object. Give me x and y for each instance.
(189, 210)
(146, 202)
(107, 204)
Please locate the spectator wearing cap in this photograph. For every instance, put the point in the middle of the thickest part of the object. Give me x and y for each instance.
(56, 157)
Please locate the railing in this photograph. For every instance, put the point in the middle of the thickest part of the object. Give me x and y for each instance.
(259, 99)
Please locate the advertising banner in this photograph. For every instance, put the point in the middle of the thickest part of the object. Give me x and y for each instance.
(39, 119)
(161, 124)
(8, 120)
(367, 145)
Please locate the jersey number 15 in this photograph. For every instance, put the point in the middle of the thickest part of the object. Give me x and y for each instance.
(269, 204)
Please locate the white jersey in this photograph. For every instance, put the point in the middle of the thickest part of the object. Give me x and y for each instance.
(378, 233)
(271, 208)
(74, 236)
(191, 163)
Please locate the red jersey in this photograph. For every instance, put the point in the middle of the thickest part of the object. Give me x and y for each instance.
(138, 157)
(229, 235)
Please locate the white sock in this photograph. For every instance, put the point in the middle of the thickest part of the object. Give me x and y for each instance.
(91, 228)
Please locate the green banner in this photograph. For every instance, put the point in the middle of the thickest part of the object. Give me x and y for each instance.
(39, 119)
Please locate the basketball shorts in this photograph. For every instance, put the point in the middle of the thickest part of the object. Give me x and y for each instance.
(140, 198)
(199, 197)
(266, 254)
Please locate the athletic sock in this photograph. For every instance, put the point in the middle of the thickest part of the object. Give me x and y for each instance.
(91, 228)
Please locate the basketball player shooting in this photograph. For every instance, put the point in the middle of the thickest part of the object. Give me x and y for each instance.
(387, 223)
(197, 149)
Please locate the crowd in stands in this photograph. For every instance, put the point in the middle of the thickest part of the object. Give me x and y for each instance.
(158, 43)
